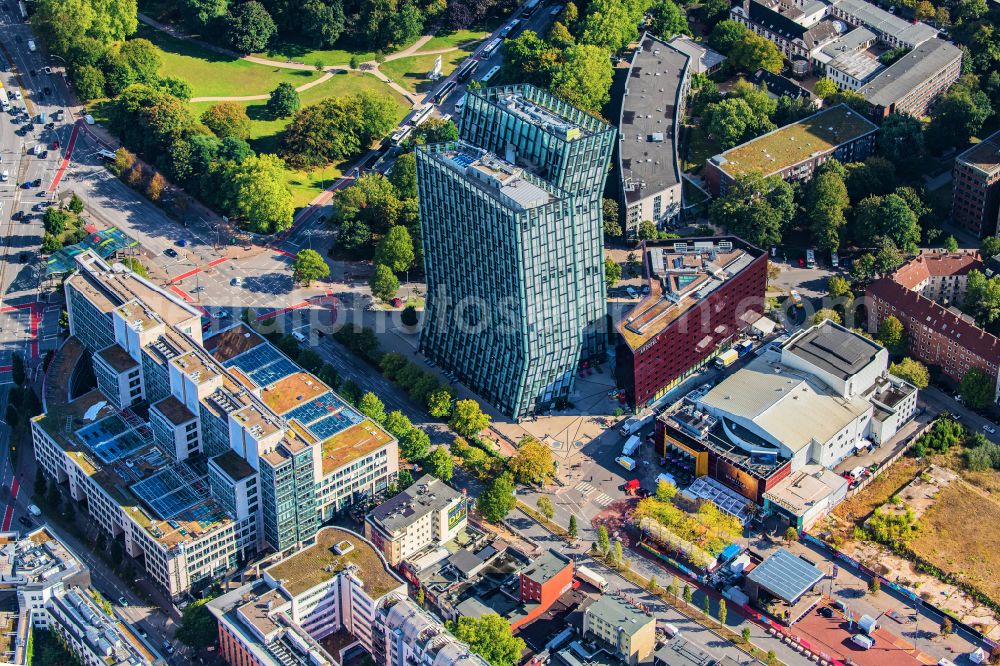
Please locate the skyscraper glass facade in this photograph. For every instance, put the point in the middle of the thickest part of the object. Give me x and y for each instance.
(513, 237)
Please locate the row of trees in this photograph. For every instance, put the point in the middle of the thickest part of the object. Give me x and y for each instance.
(746, 51)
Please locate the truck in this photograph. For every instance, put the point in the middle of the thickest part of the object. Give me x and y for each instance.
(867, 624)
(744, 348)
(631, 444)
(4, 101)
(635, 423)
(796, 299)
(591, 577)
(726, 358)
(626, 462)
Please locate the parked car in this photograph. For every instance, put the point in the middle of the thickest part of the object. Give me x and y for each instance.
(235, 282)
(122, 601)
(170, 252)
(631, 292)
(990, 429)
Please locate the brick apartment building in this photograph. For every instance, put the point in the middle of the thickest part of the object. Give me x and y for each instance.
(921, 295)
(976, 198)
(913, 82)
(794, 151)
(541, 584)
(702, 293)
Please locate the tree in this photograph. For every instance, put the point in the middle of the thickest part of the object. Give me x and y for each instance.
(490, 637)
(395, 250)
(371, 200)
(752, 52)
(420, 596)
(372, 407)
(825, 202)
(826, 313)
(950, 243)
(321, 23)
(982, 297)
(647, 230)
(712, 11)
(309, 266)
(612, 228)
(89, 82)
(958, 115)
(901, 141)
(440, 464)
(874, 585)
(888, 217)
(76, 204)
(17, 368)
(199, 628)
(603, 540)
(545, 507)
(572, 530)
(383, 283)
(404, 175)
(686, 594)
(414, 444)
(892, 335)
(722, 611)
(409, 317)
(142, 58)
(439, 403)
(199, 14)
(651, 585)
(497, 500)
(610, 24)
(946, 625)
(617, 556)
(533, 462)
(991, 246)
(337, 128)
(888, 258)
(726, 34)
(249, 28)
(912, 371)
(791, 534)
(54, 220)
(284, 100)
(437, 130)
(668, 19)
(155, 187)
(825, 87)
(863, 268)
(260, 194)
(977, 389)
(467, 419)
(64, 23)
(227, 119)
(838, 287)
(733, 121)
(755, 208)
(584, 77)
(706, 605)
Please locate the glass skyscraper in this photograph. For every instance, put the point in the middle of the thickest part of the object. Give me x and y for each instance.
(513, 246)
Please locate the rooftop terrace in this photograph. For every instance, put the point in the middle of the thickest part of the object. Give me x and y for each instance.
(792, 144)
(321, 562)
(984, 156)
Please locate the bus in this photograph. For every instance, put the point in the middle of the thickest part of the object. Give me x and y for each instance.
(810, 258)
(4, 101)
(442, 94)
(490, 74)
(467, 70)
(460, 104)
(24, 10)
(509, 28)
(529, 8)
(400, 135)
(796, 299)
(420, 116)
(491, 48)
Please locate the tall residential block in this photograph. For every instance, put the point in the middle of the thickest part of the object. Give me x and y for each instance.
(513, 247)
(976, 198)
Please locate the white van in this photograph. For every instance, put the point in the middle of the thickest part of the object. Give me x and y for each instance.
(106, 154)
(34, 510)
(626, 462)
(863, 641)
(31, 45)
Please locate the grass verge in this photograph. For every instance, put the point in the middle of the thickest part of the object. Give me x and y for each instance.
(411, 72)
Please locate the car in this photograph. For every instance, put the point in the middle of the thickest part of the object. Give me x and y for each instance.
(826, 611)
(17, 95)
(18, 214)
(38, 182)
(24, 520)
(55, 145)
(198, 289)
(5, 176)
(221, 314)
(235, 282)
(26, 185)
(170, 252)
(631, 292)
(299, 335)
(34, 510)
(24, 258)
(142, 632)
(802, 262)
(50, 125)
(122, 601)
(182, 242)
(44, 155)
(990, 429)
(834, 260)
(167, 647)
(645, 289)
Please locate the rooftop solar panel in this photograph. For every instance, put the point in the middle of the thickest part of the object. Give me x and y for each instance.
(785, 575)
(254, 358)
(273, 372)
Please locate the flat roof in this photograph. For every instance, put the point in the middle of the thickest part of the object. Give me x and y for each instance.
(679, 651)
(544, 110)
(506, 182)
(681, 274)
(803, 489)
(833, 348)
(546, 566)
(117, 358)
(906, 74)
(878, 19)
(173, 410)
(648, 149)
(355, 442)
(427, 494)
(787, 146)
(984, 156)
(234, 465)
(619, 613)
(289, 392)
(232, 342)
(320, 562)
(785, 575)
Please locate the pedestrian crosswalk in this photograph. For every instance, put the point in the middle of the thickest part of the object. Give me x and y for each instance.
(602, 499)
(584, 488)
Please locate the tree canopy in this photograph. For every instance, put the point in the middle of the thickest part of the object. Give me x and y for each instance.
(284, 100)
(497, 500)
(755, 208)
(309, 266)
(490, 637)
(912, 371)
(337, 128)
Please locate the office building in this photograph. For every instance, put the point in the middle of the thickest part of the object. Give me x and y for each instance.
(512, 237)
(702, 293)
(628, 631)
(923, 295)
(702, 60)
(794, 152)
(912, 83)
(215, 450)
(44, 585)
(976, 192)
(652, 110)
(332, 601)
(428, 513)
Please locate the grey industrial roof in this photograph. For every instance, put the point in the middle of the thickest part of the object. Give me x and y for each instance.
(907, 73)
(648, 135)
(679, 651)
(785, 575)
(465, 561)
(545, 567)
(619, 613)
(850, 41)
(878, 19)
(833, 348)
(425, 495)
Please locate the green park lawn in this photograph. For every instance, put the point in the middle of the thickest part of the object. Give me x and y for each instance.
(411, 72)
(212, 74)
(326, 57)
(453, 39)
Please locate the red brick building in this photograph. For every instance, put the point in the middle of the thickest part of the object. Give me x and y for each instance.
(541, 584)
(937, 335)
(702, 292)
(976, 198)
